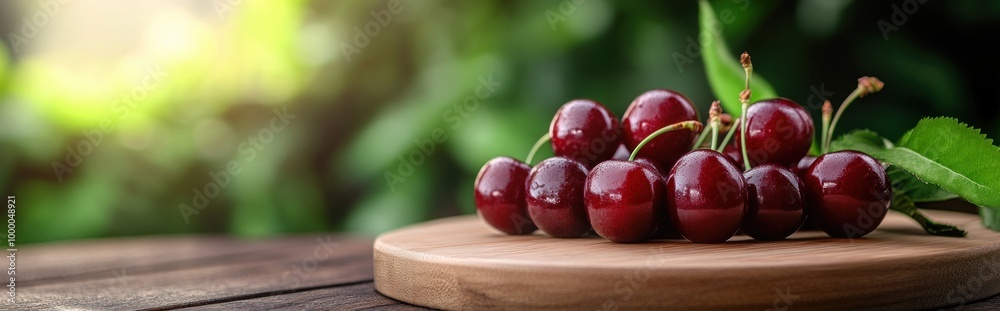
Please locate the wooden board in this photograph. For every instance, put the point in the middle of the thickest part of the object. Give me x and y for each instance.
(460, 263)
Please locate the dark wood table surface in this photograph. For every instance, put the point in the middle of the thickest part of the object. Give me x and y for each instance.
(327, 272)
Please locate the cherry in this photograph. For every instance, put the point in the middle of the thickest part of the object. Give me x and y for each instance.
(624, 200)
(652, 165)
(775, 203)
(778, 131)
(555, 197)
(734, 154)
(500, 195)
(586, 131)
(622, 153)
(849, 193)
(803, 165)
(706, 196)
(651, 111)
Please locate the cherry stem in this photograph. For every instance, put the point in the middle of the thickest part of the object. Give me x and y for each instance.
(729, 135)
(715, 121)
(538, 145)
(827, 112)
(715, 135)
(701, 139)
(866, 85)
(743, 134)
(745, 101)
(690, 125)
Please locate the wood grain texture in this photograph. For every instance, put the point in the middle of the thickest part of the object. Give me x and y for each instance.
(348, 297)
(186, 271)
(459, 263)
(243, 274)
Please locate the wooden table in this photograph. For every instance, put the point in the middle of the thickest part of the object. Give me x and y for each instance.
(328, 271)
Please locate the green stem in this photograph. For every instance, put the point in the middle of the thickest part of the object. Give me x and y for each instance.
(901, 203)
(847, 102)
(824, 147)
(715, 133)
(701, 139)
(743, 135)
(729, 135)
(690, 125)
(745, 101)
(538, 144)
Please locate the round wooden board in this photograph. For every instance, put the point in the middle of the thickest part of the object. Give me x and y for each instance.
(461, 263)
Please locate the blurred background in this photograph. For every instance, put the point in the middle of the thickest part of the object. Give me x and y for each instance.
(259, 118)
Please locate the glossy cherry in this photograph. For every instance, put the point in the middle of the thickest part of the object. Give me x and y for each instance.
(706, 196)
(625, 200)
(803, 165)
(555, 197)
(622, 153)
(735, 154)
(500, 196)
(779, 131)
(775, 203)
(651, 111)
(653, 165)
(586, 131)
(849, 193)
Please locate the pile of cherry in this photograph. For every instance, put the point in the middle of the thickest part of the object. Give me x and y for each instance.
(651, 175)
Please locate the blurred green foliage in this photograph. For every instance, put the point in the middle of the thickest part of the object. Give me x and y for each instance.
(369, 87)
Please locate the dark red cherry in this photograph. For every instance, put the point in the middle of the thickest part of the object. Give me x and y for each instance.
(849, 193)
(586, 131)
(625, 200)
(706, 196)
(651, 164)
(775, 203)
(803, 165)
(500, 196)
(800, 170)
(622, 153)
(735, 154)
(779, 131)
(555, 197)
(651, 111)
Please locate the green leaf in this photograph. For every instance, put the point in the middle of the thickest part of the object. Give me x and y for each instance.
(940, 151)
(943, 152)
(905, 186)
(991, 217)
(915, 189)
(725, 74)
